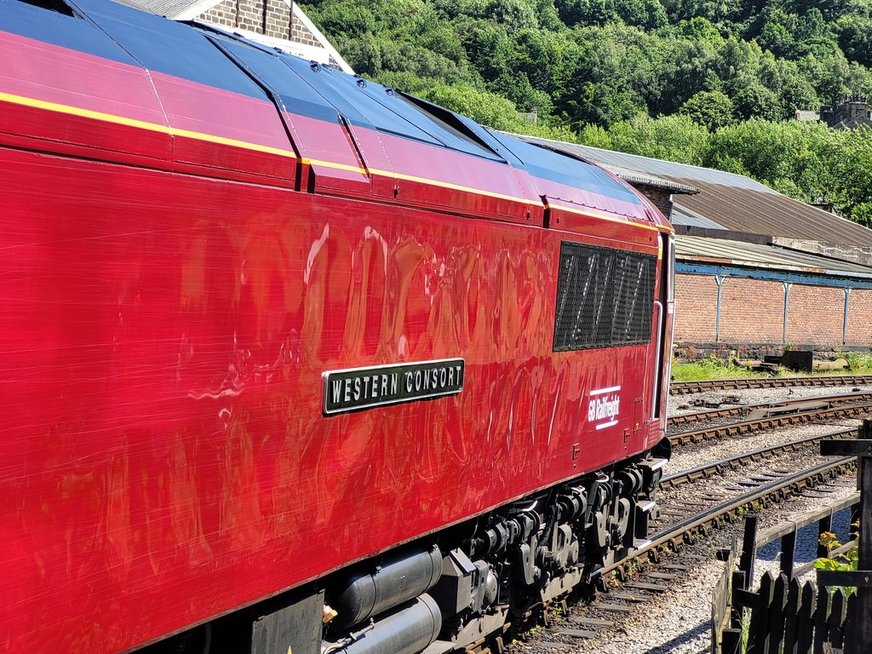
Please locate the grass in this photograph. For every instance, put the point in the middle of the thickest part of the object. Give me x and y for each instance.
(716, 368)
(861, 364)
(711, 368)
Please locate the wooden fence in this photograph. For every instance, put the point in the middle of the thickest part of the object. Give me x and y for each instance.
(784, 614)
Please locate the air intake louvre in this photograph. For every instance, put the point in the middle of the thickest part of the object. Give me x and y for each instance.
(605, 297)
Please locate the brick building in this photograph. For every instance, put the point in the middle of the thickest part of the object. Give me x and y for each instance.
(277, 23)
(850, 114)
(755, 269)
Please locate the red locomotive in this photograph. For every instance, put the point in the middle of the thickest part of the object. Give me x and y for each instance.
(296, 362)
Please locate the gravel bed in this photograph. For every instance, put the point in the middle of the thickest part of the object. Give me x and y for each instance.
(726, 484)
(690, 456)
(704, 424)
(684, 404)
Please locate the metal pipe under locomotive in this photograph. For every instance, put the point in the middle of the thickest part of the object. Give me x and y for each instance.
(295, 362)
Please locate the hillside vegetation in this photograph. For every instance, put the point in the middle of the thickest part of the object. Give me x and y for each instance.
(706, 82)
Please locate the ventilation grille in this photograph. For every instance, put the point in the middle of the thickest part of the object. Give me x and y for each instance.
(605, 297)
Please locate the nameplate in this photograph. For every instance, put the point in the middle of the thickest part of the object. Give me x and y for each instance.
(365, 388)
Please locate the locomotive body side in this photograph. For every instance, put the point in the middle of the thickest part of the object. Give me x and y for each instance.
(182, 267)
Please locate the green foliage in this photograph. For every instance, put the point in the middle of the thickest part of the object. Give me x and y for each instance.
(860, 363)
(711, 109)
(707, 82)
(485, 107)
(711, 368)
(677, 138)
(846, 561)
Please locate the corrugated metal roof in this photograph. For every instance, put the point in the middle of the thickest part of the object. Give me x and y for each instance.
(631, 176)
(638, 177)
(714, 250)
(683, 216)
(744, 210)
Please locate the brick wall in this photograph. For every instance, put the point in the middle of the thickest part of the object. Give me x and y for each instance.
(249, 15)
(221, 14)
(815, 315)
(301, 34)
(661, 198)
(752, 311)
(695, 300)
(860, 318)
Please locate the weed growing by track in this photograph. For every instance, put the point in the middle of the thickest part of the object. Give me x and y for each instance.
(711, 368)
(861, 364)
(717, 368)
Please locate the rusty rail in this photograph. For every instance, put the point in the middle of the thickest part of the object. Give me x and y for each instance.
(763, 409)
(682, 388)
(770, 422)
(717, 467)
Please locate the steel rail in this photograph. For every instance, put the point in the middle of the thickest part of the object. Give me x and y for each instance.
(682, 388)
(671, 538)
(769, 422)
(684, 530)
(767, 407)
(707, 469)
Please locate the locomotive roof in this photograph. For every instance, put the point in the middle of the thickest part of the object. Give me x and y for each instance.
(423, 142)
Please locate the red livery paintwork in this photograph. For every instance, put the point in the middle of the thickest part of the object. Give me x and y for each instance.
(164, 331)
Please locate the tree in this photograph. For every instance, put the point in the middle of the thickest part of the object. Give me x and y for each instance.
(786, 155)
(676, 138)
(852, 160)
(711, 109)
(756, 101)
(642, 13)
(721, 76)
(855, 37)
(585, 12)
(482, 106)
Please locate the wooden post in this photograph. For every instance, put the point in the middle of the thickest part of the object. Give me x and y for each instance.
(859, 635)
(788, 548)
(792, 612)
(749, 550)
(776, 614)
(824, 525)
(736, 611)
(863, 603)
(838, 610)
(821, 620)
(805, 631)
(758, 630)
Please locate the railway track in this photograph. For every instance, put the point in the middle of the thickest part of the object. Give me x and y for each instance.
(683, 388)
(851, 410)
(648, 573)
(689, 528)
(765, 409)
(708, 470)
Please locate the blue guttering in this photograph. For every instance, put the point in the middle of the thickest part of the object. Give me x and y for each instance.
(783, 276)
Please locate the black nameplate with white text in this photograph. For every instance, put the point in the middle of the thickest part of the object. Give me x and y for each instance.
(365, 388)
